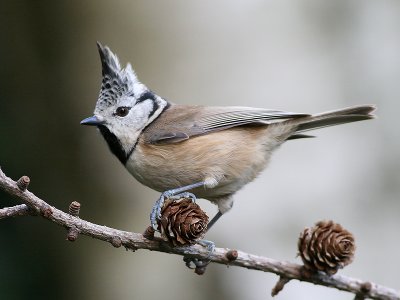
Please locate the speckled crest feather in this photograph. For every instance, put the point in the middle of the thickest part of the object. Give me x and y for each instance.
(116, 81)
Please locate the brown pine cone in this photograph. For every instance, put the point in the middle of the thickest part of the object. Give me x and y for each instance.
(326, 247)
(182, 222)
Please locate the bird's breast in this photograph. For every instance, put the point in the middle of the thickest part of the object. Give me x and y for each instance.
(233, 157)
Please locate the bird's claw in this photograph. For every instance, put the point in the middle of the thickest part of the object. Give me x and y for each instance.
(155, 214)
(186, 195)
(209, 245)
(194, 263)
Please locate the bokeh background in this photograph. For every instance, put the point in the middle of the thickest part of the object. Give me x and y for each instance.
(303, 56)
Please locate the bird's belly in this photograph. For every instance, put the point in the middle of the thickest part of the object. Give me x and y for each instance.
(232, 158)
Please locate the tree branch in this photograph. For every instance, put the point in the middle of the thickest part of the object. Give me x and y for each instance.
(17, 210)
(133, 241)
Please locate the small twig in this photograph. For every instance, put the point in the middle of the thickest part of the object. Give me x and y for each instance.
(133, 241)
(232, 255)
(359, 297)
(116, 242)
(74, 208)
(73, 233)
(149, 233)
(279, 286)
(365, 288)
(17, 210)
(23, 183)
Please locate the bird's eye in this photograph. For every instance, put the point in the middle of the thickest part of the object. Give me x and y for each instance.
(122, 111)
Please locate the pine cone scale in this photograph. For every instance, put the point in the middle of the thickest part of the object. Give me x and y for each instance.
(326, 247)
(182, 222)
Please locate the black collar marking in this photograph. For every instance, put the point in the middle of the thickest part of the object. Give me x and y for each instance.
(114, 144)
(146, 95)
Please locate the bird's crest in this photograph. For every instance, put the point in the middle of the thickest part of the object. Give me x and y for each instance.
(116, 81)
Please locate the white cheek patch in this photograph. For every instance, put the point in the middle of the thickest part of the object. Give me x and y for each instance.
(139, 88)
(128, 129)
(157, 106)
(140, 113)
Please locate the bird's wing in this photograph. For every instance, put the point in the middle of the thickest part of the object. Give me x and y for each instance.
(181, 122)
(237, 116)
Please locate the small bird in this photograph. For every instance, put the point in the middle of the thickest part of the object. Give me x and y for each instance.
(211, 151)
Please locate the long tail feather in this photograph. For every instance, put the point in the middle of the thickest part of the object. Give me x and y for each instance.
(336, 117)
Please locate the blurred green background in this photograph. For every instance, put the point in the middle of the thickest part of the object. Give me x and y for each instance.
(303, 56)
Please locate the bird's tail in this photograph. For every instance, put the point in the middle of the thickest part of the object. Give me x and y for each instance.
(331, 118)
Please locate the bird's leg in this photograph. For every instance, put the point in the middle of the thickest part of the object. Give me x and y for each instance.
(186, 195)
(214, 220)
(193, 263)
(177, 193)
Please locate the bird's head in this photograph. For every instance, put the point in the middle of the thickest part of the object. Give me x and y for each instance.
(125, 106)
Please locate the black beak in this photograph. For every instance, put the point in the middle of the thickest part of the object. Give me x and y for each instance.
(92, 121)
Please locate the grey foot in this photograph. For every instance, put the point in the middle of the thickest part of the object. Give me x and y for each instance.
(155, 214)
(196, 263)
(209, 245)
(180, 192)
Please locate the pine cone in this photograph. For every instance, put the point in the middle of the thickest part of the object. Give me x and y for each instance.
(182, 222)
(326, 247)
